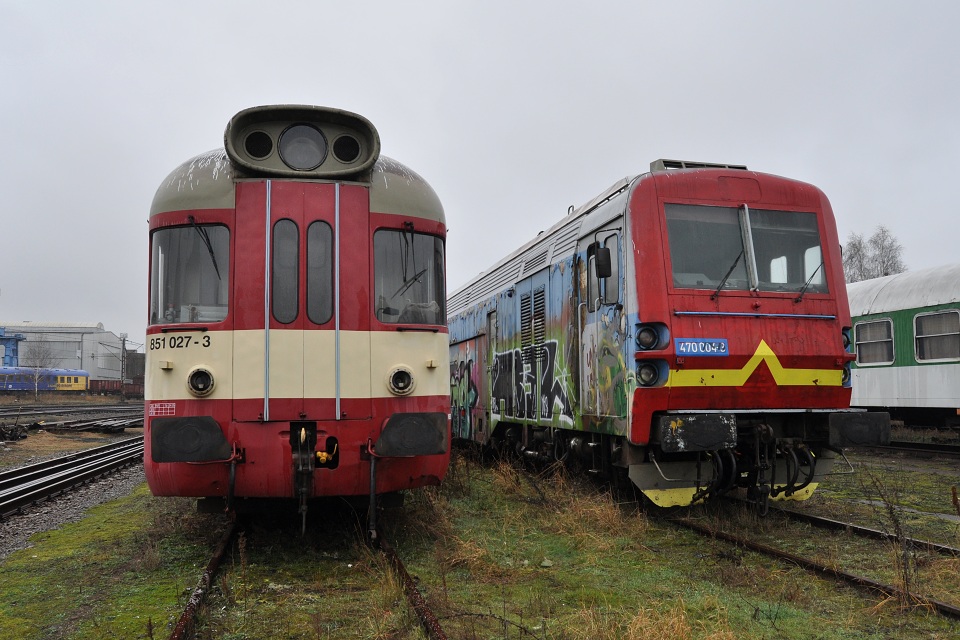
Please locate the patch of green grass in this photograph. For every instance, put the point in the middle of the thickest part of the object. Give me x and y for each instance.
(127, 562)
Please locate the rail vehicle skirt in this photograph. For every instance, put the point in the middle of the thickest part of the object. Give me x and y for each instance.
(859, 428)
(696, 432)
(414, 434)
(188, 439)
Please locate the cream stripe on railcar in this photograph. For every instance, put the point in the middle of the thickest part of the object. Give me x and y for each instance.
(424, 353)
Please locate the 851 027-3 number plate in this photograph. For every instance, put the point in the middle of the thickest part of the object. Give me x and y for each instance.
(179, 342)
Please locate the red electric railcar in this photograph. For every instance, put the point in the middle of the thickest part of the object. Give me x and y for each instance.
(297, 337)
(688, 329)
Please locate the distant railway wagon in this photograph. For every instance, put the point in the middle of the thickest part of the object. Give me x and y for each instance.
(23, 379)
(688, 329)
(132, 389)
(907, 336)
(297, 335)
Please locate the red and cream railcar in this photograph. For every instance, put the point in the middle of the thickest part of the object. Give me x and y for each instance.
(297, 338)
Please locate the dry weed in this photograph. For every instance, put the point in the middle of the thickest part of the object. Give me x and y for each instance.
(507, 479)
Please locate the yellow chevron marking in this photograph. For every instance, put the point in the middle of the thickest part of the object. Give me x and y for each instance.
(738, 377)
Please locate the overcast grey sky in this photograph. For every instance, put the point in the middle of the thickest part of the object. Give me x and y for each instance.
(511, 110)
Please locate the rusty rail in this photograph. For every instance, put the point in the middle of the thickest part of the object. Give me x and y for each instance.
(185, 626)
(427, 619)
(943, 608)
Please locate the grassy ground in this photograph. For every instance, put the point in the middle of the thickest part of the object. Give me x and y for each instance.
(494, 557)
(113, 574)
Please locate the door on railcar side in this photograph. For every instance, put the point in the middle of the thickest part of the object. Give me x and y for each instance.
(505, 388)
(298, 355)
(603, 371)
(534, 358)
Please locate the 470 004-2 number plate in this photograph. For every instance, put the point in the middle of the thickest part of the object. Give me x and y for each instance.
(701, 346)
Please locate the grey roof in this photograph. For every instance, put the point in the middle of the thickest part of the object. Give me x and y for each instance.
(28, 325)
(907, 290)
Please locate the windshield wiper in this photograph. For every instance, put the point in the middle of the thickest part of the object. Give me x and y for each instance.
(409, 283)
(716, 293)
(806, 284)
(206, 241)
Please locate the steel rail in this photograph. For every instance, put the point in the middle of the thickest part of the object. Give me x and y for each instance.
(945, 449)
(19, 475)
(867, 532)
(14, 498)
(186, 625)
(426, 616)
(107, 423)
(856, 529)
(9, 411)
(943, 608)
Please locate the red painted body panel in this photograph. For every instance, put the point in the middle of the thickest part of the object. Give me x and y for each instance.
(266, 470)
(742, 317)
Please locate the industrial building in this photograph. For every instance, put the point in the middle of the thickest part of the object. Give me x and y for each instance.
(104, 354)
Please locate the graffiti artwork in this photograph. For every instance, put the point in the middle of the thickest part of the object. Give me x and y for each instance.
(531, 385)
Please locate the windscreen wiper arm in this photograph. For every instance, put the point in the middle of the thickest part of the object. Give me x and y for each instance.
(206, 241)
(409, 283)
(716, 293)
(806, 284)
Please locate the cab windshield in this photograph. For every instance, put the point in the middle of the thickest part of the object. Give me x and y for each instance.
(741, 249)
(409, 280)
(189, 274)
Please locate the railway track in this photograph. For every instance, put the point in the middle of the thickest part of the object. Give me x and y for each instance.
(186, 624)
(867, 532)
(952, 450)
(830, 570)
(25, 486)
(24, 411)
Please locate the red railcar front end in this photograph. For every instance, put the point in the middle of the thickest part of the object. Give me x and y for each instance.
(741, 277)
(296, 317)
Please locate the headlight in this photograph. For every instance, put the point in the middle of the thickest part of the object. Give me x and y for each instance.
(258, 145)
(346, 149)
(647, 374)
(647, 338)
(400, 381)
(200, 382)
(651, 335)
(302, 147)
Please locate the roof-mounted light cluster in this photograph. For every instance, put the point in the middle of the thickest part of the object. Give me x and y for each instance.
(666, 165)
(301, 141)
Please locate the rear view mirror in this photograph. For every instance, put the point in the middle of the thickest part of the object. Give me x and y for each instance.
(604, 269)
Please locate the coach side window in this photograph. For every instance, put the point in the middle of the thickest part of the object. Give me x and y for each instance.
(874, 341)
(938, 336)
(592, 282)
(409, 284)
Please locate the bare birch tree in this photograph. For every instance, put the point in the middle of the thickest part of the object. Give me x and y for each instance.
(886, 253)
(881, 255)
(856, 259)
(39, 357)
